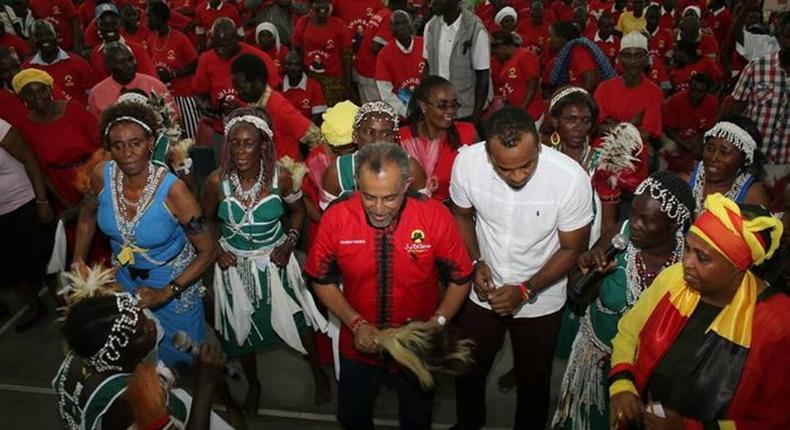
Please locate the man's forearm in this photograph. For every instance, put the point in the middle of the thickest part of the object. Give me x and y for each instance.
(331, 296)
(467, 226)
(481, 91)
(556, 268)
(454, 298)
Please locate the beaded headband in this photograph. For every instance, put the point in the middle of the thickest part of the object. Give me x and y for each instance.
(565, 92)
(735, 135)
(133, 97)
(123, 328)
(377, 107)
(671, 206)
(128, 119)
(253, 120)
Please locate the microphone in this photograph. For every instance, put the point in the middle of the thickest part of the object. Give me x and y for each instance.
(184, 343)
(619, 243)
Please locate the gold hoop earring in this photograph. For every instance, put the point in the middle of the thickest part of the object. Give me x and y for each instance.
(554, 139)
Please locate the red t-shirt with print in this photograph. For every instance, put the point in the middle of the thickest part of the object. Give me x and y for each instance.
(173, 52)
(307, 98)
(74, 75)
(403, 71)
(511, 81)
(379, 28)
(322, 45)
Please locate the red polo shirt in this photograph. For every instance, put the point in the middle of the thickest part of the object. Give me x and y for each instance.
(581, 61)
(389, 275)
(74, 75)
(16, 45)
(86, 11)
(59, 13)
(213, 73)
(140, 36)
(173, 52)
(322, 45)
(707, 46)
(620, 103)
(278, 57)
(720, 23)
(205, 15)
(511, 81)
(534, 36)
(661, 42)
(356, 13)
(690, 120)
(307, 98)
(403, 71)
(681, 76)
(378, 29)
(609, 46)
(144, 64)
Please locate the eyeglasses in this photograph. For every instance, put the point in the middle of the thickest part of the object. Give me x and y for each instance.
(454, 105)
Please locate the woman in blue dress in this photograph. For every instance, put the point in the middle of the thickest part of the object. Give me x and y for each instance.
(161, 242)
(731, 164)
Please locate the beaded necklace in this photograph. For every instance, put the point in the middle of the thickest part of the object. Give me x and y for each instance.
(247, 197)
(699, 187)
(127, 226)
(637, 275)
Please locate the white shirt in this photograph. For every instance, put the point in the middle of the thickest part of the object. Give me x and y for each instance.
(517, 230)
(481, 56)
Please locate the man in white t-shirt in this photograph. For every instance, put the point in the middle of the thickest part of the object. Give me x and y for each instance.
(525, 213)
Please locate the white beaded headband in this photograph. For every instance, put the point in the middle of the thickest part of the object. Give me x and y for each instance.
(376, 107)
(253, 120)
(121, 333)
(735, 135)
(128, 119)
(671, 206)
(565, 92)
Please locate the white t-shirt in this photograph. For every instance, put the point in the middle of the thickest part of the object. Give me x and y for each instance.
(517, 230)
(481, 56)
(15, 186)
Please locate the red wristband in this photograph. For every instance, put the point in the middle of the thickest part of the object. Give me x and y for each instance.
(525, 294)
(357, 323)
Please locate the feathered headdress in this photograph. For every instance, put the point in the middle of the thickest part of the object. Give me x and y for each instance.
(619, 157)
(84, 282)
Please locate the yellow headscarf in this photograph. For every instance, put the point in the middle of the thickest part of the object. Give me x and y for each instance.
(724, 228)
(29, 76)
(338, 125)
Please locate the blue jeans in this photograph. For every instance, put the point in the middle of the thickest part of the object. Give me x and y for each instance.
(357, 389)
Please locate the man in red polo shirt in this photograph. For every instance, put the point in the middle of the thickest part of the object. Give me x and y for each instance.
(207, 12)
(108, 22)
(290, 127)
(534, 31)
(386, 248)
(213, 83)
(605, 37)
(63, 16)
(518, 82)
(377, 35)
(302, 91)
(690, 31)
(70, 71)
(400, 64)
(719, 19)
(662, 40)
(687, 116)
(631, 97)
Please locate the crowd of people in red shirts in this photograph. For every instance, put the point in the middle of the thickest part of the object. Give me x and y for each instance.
(335, 75)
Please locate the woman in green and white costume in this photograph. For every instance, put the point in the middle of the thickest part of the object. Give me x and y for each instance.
(260, 299)
(661, 212)
(113, 345)
(373, 122)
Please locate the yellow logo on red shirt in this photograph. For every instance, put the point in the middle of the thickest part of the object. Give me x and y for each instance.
(330, 44)
(421, 67)
(511, 73)
(661, 43)
(55, 10)
(417, 246)
(171, 54)
(68, 81)
(305, 103)
(417, 236)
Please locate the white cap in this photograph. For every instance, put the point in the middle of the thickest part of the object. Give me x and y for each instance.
(505, 12)
(633, 39)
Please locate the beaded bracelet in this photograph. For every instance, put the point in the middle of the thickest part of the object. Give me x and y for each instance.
(293, 235)
(357, 324)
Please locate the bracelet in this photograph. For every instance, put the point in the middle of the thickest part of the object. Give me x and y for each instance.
(524, 292)
(293, 235)
(528, 292)
(477, 261)
(176, 288)
(357, 324)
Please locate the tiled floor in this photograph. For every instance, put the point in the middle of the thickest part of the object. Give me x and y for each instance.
(28, 362)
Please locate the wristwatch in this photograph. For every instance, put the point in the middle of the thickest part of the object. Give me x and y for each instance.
(440, 319)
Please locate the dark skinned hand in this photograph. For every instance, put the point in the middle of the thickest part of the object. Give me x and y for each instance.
(225, 259)
(626, 408)
(505, 299)
(483, 283)
(673, 421)
(282, 253)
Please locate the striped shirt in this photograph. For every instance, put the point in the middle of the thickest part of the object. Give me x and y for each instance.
(763, 85)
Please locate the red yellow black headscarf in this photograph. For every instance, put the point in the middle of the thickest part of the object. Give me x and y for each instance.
(649, 329)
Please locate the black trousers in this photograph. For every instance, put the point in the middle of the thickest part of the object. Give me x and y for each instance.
(356, 392)
(534, 341)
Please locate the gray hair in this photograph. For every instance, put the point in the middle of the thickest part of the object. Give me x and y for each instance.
(224, 23)
(42, 23)
(113, 48)
(375, 155)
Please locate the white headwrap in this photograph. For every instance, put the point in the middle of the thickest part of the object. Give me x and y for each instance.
(735, 135)
(503, 13)
(268, 26)
(255, 121)
(694, 8)
(633, 39)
